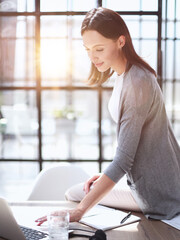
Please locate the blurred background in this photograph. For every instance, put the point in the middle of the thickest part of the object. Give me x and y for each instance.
(48, 114)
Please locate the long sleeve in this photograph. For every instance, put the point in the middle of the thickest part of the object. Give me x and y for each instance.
(135, 104)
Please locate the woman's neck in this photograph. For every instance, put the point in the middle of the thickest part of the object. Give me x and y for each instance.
(120, 66)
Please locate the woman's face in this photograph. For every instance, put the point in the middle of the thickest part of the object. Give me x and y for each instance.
(103, 52)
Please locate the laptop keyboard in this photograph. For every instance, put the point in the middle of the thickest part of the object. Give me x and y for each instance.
(32, 234)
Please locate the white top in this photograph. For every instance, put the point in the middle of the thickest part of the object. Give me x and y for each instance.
(113, 104)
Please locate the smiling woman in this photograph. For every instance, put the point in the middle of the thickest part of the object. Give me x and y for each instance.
(105, 53)
(147, 151)
(105, 27)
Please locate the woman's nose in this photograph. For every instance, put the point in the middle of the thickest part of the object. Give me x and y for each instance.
(92, 56)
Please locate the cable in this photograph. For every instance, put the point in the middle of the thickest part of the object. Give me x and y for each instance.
(71, 235)
(99, 234)
(81, 229)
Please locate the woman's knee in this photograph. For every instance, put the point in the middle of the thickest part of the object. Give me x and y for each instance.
(75, 193)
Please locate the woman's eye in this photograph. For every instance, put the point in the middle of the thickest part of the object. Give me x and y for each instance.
(99, 50)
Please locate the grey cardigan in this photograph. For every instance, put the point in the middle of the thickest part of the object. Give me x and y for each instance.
(147, 150)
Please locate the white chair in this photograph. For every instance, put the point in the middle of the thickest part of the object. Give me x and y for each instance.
(52, 183)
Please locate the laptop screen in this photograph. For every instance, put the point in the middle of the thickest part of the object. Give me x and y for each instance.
(9, 228)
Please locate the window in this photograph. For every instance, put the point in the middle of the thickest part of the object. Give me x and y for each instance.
(171, 62)
(47, 112)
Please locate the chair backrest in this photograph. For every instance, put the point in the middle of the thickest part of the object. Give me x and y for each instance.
(52, 183)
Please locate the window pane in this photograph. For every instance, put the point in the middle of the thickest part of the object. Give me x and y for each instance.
(142, 26)
(81, 5)
(90, 168)
(54, 26)
(19, 125)
(171, 9)
(170, 59)
(149, 27)
(137, 46)
(80, 63)
(64, 61)
(149, 52)
(121, 5)
(177, 10)
(149, 5)
(16, 179)
(53, 5)
(70, 125)
(170, 30)
(75, 24)
(178, 29)
(133, 25)
(54, 60)
(131, 5)
(17, 47)
(17, 6)
(177, 60)
(64, 5)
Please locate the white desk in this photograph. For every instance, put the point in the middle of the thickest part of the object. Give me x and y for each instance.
(27, 212)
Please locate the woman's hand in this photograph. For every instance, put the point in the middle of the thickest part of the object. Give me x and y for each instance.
(75, 215)
(41, 220)
(91, 182)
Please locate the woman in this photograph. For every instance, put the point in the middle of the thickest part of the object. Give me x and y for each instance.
(147, 151)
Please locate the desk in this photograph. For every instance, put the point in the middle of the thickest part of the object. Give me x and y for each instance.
(143, 230)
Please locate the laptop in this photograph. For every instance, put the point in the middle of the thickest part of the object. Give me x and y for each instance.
(10, 230)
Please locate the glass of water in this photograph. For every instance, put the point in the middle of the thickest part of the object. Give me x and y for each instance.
(58, 224)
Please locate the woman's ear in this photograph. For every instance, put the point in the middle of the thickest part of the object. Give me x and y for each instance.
(121, 41)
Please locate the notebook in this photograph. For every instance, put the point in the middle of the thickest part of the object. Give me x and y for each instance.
(105, 218)
(174, 222)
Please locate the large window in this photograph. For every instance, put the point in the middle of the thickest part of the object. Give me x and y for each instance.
(171, 62)
(47, 112)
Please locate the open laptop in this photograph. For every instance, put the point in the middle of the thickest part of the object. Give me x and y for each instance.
(10, 230)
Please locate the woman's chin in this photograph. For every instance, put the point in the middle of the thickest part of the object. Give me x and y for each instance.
(102, 70)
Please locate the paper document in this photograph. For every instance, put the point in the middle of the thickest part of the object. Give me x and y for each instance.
(106, 218)
(174, 222)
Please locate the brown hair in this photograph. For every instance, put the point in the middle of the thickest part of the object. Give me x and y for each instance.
(110, 24)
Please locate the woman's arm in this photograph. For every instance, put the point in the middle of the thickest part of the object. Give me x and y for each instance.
(135, 114)
(100, 189)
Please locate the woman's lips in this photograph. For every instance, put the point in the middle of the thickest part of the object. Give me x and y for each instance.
(99, 64)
